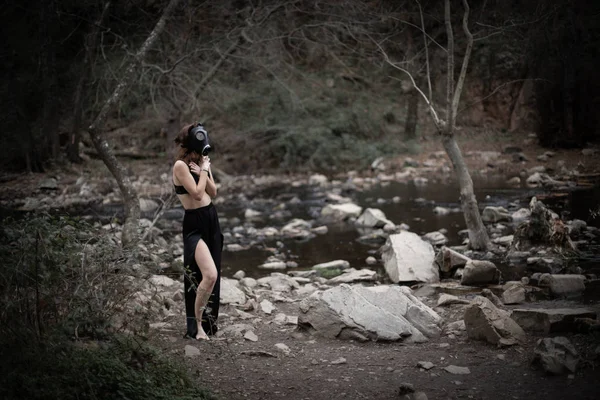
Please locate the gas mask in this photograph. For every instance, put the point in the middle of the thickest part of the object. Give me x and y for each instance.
(198, 140)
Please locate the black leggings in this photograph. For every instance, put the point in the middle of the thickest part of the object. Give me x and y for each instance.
(201, 223)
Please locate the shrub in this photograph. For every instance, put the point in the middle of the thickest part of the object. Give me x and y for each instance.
(66, 292)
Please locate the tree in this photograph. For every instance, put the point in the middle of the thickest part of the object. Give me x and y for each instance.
(131, 203)
(478, 236)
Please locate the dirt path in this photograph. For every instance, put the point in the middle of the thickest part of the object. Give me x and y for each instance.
(318, 368)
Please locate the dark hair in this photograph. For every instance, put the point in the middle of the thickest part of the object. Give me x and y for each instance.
(183, 153)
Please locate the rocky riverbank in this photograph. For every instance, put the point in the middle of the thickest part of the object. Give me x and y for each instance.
(419, 312)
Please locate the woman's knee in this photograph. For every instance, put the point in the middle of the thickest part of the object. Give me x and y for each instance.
(210, 277)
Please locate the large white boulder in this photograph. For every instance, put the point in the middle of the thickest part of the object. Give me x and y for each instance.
(386, 312)
(408, 258)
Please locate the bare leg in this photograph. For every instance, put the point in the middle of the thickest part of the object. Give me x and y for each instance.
(209, 277)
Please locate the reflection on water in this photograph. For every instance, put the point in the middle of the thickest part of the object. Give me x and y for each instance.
(415, 208)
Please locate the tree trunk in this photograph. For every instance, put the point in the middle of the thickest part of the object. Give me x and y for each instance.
(90, 48)
(412, 115)
(130, 235)
(48, 129)
(478, 236)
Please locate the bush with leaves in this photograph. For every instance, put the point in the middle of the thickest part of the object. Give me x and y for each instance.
(67, 325)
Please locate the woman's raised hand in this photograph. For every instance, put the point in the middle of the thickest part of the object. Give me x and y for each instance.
(195, 168)
(206, 163)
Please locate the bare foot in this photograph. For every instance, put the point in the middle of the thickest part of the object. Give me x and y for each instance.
(201, 334)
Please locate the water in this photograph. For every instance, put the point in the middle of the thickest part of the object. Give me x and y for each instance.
(415, 208)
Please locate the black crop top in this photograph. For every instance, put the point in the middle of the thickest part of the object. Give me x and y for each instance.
(180, 189)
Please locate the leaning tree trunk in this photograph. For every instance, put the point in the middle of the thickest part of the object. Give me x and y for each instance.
(90, 48)
(478, 236)
(130, 234)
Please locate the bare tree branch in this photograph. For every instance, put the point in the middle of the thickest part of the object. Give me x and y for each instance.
(450, 68)
(120, 173)
(465, 64)
(426, 52)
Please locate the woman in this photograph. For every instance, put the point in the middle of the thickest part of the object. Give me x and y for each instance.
(202, 238)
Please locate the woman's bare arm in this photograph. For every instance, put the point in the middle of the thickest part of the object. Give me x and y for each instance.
(184, 176)
(211, 187)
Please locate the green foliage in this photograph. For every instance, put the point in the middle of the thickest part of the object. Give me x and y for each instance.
(63, 284)
(310, 126)
(120, 369)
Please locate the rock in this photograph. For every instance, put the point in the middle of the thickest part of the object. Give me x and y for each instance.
(266, 306)
(426, 365)
(420, 181)
(504, 240)
(495, 214)
(371, 260)
(565, 286)
(448, 299)
(353, 275)
(576, 227)
(274, 265)
(191, 351)
(455, 328)
(148, 205)
(318, 179)
(239, 275)
(548, 320)
(514, 294)
(379, 313)
(283, 348)
(545, 265)
(521, 215)
(161, 280)
(408, 258)
(484, 321)
(48, 184)
(235, 330)
(251, 214)
(230, 293)
(556, 355)
(332, 265)
(435, 238)
(514, 181)
(455, 370)
(338, 361)
(296, 229)
(373, 218)
(251, 336)
(478, 272)
(234, 247)
(340, 212)
(248, 282)
(282, 319)
(320, 230)
(278, 282)
(589, 152)
(441, 210)
(488, 294)
(410, 162)
(448, 259)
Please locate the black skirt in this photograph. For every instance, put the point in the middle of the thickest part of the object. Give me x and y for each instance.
(201, 223)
